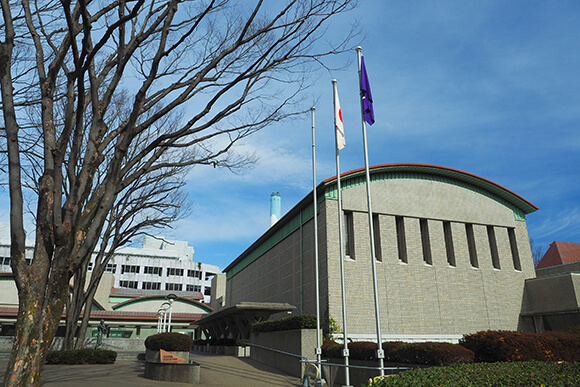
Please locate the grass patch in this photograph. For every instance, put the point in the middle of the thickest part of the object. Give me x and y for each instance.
(531, 373)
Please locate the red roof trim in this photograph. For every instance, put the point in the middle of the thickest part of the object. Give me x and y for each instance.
(113, 315)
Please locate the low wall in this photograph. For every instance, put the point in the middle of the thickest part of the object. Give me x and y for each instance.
(300, 342)
(113, 344)
(173, 372)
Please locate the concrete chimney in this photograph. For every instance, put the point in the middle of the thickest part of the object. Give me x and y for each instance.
(275, 208)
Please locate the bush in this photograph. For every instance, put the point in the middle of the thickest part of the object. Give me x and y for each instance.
(494, 346)
(81, 356)
(397, 351)
(574, 330)
(331, 348)
(389, 347)
(533, 373)
(169, 341)
(301, 321)
(430, 353)
(362, 350)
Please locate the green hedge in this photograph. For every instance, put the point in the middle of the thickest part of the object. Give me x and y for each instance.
(399, 352)
(82, 356)
(494, 346)
(532, 373)
(429, 353)
(169, 341)
(301, 321)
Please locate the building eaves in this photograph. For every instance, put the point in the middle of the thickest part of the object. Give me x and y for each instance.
(400, 169)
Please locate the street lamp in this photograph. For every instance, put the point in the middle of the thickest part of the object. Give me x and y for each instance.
(170, 297)
(160, 314)
(165, 307)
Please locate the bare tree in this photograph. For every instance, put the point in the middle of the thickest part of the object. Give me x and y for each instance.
(152, 202)
(229, 68)
(538, 251)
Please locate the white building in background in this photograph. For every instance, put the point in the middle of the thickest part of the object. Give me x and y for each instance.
(136, 284)
(161, 266)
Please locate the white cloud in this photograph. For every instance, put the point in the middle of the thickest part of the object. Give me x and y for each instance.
(562, 225)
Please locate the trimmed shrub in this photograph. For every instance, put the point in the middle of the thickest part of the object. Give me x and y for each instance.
(430, 353)
(399, 352)
(331, 348)
(169, 341)
(533, 373)
(82, 356)
(362, 350)
(301, 321)
(573, 330)
(494, 346)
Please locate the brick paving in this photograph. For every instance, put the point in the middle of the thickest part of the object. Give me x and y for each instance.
(215, 371)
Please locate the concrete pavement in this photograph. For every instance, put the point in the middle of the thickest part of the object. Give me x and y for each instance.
(216, 371)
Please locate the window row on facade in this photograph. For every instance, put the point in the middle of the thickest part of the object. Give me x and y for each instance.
(426, 243)
(168, 286)
(7, 260)
(153, 270)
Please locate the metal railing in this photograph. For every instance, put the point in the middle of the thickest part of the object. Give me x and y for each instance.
(318, 365)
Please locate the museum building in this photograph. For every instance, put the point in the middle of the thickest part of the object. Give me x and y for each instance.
(452, 255)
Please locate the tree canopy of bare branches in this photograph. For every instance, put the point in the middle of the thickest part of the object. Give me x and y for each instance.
(87, 88)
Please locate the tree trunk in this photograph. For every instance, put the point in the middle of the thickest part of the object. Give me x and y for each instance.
(74, 306)
(37, 325)
(82, 331)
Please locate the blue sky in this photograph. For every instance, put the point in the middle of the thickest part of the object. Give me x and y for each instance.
(488, 87)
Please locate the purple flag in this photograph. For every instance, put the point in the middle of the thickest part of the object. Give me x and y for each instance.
(365, 94)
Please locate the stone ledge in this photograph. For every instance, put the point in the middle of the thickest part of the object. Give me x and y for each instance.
(173, 372)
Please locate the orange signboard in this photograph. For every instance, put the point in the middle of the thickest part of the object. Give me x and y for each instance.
(168, 357)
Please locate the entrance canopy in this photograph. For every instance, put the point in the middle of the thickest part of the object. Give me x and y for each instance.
(235, 322)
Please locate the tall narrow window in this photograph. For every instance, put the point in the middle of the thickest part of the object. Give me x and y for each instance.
(449, 249)
(348, 234)
(401, 242)
(471, 245)
(377, 237)
(514, 248)
(427, 257)
(493, 247)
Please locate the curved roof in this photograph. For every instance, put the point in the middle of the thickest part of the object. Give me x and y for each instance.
(303, 210)
(137, 300)
(435, 172)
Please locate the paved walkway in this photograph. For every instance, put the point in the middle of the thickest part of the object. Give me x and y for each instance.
(216, 371)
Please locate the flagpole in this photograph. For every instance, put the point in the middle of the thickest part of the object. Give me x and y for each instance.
(316, 274)
(380, 353)
(345, 352)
